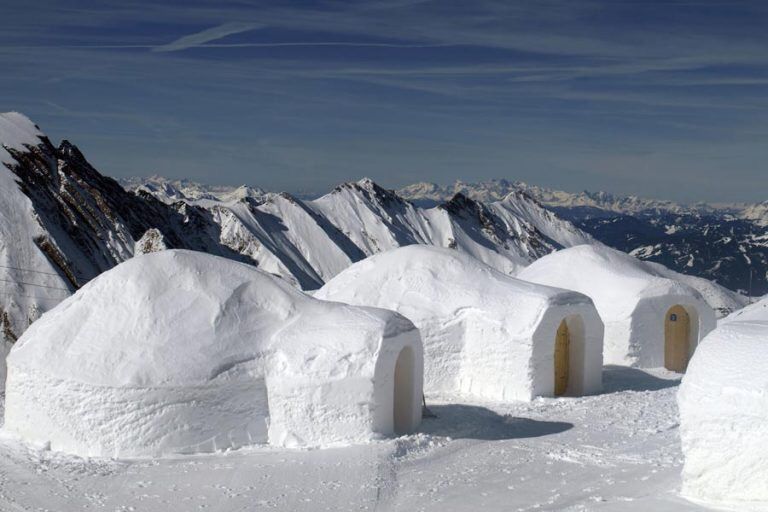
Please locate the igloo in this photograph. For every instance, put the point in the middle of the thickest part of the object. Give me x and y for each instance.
(183, 352)
(650, 320)
(485, 334)
(723, 402)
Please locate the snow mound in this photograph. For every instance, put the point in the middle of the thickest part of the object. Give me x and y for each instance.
(485, 334)
(632, 297)
(178, 351)
(723, 403)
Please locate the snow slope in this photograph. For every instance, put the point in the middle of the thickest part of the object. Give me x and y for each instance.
(724, 417)
(486, 334)
(29, 282)
(177, 351)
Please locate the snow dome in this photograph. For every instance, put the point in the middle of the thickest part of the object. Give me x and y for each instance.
(650, 320)
(485, 334)
(723, 403)
(180, 352)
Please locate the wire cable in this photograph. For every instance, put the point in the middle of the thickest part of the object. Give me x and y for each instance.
(34, 284)
(38, 271)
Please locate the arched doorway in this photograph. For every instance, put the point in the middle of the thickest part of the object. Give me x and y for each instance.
(403, 405)
(677, 336)
(562, 358)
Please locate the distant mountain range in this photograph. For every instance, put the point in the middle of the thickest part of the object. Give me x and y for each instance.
(726, 243)
(62, 223)
(362, 218)
(494, 190)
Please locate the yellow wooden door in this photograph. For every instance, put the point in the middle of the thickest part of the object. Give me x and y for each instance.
(677, 330)
(562, 358)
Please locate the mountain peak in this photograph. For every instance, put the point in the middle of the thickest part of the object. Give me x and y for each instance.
(71, 151)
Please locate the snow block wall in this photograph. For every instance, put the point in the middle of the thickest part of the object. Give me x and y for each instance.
(183, 352)
(723, 403)
(634, 300)
(485, 334)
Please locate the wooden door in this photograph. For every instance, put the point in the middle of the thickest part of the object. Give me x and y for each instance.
(562, 358)
(402, 399)
(677, 331)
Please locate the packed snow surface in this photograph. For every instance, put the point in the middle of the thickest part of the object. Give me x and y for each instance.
(724, 418)
(631, 296)
(486, 334)
(614, 452)
(179, 351)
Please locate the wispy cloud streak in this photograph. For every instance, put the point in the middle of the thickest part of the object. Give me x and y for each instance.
(205, 36)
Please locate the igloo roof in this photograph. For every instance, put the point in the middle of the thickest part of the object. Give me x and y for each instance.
(732, 360)
(420, 281)
(754, 312)
(615, 280)
(182, 317)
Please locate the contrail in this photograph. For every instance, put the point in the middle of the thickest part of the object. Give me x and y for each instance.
(211, 34)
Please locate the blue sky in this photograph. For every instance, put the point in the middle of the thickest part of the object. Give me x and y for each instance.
(666, 99)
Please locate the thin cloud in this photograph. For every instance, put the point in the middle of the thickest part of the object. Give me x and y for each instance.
(211, 34)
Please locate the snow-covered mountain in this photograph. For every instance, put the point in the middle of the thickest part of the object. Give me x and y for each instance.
(62, 223)
(726, 243)
(507, 234)
(308, 242)
(170, 191)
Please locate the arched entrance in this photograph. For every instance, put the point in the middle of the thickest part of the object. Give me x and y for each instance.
(403, 405)
(562, 358)
(677, 339)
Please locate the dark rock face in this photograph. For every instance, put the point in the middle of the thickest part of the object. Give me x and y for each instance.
(476, 218)
(92, 222)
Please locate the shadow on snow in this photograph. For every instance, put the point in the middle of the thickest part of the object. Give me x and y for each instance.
(623, 378)
(473, 422)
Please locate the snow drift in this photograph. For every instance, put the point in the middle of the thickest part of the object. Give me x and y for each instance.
(641, 308)
(179, 352)
(485, 334)
(723, 403)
